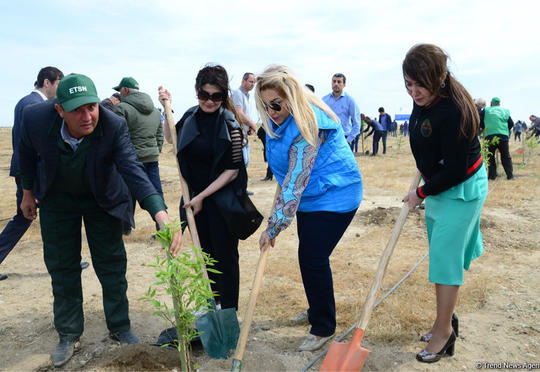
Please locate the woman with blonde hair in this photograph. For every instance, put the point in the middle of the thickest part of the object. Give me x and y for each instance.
(442, 129)
(320, 184)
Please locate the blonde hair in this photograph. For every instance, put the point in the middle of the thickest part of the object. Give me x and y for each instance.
(281, 79)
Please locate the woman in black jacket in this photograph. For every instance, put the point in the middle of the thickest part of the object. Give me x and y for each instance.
(443, 127)
(210, 156)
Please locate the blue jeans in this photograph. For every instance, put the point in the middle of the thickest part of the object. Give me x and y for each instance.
(15, 228)
(152, 171)
(318, 235)
(354, 143)
(384, 135)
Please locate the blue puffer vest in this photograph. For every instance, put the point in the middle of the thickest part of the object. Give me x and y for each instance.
(335, 184)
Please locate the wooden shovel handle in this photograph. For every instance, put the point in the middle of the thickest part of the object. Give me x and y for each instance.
(385, 258)
(257, 280)
(185, 190)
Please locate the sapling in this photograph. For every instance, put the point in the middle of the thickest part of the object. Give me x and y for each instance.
(183, 279)
(532, 143)
(484, 149)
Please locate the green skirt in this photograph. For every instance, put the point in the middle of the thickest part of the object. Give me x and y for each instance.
(453, 228)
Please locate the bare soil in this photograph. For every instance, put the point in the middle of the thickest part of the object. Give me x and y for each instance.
(498, 306)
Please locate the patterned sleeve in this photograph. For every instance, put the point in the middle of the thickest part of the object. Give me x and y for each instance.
(233, 155)
(302, 158)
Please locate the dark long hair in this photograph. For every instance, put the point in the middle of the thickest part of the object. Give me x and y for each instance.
(217, 75)
(427, 64)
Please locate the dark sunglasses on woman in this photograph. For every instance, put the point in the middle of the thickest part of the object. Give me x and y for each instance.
(275, 106)
(203, 95)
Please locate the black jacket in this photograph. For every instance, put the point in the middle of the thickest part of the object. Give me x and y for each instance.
(444, 158)
(111, 162)
(187, 131)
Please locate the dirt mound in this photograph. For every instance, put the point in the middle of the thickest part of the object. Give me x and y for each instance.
(379, 216)
(140, 357)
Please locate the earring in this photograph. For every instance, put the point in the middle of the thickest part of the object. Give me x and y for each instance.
(443, 85)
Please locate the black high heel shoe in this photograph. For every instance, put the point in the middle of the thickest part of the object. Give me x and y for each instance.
(426, 357)
(455, 327)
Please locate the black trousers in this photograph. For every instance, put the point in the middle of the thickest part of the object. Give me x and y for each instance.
(318, 235)
(377, 135)
(506, 159)
(60, 221)
(221, 246)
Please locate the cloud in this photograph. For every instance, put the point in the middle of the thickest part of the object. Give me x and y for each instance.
(493, 45)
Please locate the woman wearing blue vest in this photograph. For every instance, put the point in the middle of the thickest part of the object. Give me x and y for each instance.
(320, 183)
(442, 129)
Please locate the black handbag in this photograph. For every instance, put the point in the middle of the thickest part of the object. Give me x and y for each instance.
(240, 214)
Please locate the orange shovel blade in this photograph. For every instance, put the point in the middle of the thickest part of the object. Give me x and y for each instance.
(346, 357)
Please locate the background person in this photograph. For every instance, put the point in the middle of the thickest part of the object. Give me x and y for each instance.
(145, 131)
(210, 156)
(534, 129)
(88, 168)
(111, 102)
(241, 100)
(443, 127)
(496, 123)
(262, 136)
(518, 128)
(45, 88)
(385, 121)
(344, 106)
(320, 183)
(378, 130)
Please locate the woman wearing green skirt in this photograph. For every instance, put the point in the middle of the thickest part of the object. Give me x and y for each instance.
(443, 127)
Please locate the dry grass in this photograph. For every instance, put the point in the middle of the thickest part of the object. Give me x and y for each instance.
(509, 225)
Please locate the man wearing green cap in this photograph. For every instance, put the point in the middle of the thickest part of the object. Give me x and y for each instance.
(145, 129)
(496, 123)
(88, 167)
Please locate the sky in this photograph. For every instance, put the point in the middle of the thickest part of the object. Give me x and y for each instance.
(494, 46)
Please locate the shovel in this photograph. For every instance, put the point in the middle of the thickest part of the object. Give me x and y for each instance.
(219, 328)
(248, 318)
(351, 357)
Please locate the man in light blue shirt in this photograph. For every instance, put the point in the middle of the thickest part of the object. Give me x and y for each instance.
(344, 107)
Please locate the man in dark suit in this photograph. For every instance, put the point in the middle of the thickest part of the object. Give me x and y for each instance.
(45, 88)
(88, 167)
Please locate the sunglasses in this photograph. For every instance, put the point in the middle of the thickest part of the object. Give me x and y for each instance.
(275, 106)
(203, 95)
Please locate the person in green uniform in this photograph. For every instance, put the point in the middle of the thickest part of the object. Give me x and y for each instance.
(496, 123)
(88, 167)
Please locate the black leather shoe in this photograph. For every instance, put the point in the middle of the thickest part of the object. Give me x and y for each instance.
(84, 265)
(455, 327)
(3, 276)
(63, 352)
(126, 337)
(267, 178)
(426, 357)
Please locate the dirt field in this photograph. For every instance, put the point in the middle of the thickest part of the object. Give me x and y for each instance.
(498, 306)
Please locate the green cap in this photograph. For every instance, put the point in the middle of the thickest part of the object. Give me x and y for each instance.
(127, 82)
(496, 100)
(76, 90)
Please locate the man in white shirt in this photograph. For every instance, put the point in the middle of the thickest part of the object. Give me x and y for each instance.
(241, 100)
